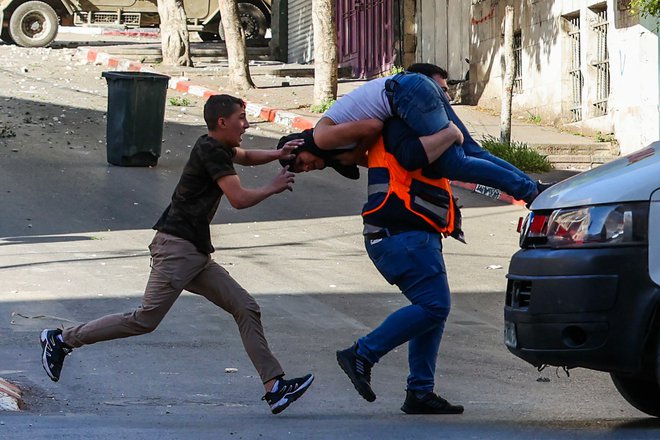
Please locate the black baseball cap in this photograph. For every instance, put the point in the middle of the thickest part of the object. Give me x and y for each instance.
(328, 156)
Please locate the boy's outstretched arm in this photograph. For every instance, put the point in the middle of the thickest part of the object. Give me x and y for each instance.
(240, 197)
(260, 157)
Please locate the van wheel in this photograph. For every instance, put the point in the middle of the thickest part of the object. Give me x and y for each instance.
(33, 24)
(642, 393)
(252, 19)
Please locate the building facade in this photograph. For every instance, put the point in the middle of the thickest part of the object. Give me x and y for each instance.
(590, 66)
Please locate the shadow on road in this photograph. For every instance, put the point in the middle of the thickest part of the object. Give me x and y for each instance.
(55, 178)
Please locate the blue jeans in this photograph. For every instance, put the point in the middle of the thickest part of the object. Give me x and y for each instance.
(424, 107)
(418, 100)
(413, 261)
(471, 163)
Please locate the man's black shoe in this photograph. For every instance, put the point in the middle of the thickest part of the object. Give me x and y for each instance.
(288, 391)
(53, 352)
(542, 186)
(358, 369)
(431, 403)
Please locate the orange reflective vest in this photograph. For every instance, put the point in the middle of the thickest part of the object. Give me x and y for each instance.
(430, 200)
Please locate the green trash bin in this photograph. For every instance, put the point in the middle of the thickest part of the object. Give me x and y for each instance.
(136, 111)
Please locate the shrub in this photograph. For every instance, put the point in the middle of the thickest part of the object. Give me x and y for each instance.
(323, 106)
(180, 102)
(517, 154)
(534, 118)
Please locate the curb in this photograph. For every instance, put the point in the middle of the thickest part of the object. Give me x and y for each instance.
(132, 33)
(95, 30)
(287, 119)
(280, 117)
(10, 396)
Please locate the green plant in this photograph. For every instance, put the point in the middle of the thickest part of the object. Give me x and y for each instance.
(518, 154)
(323, 106)
(646, 7)
(605, 137)
(396, 69)
(534, 118)
(180, 102)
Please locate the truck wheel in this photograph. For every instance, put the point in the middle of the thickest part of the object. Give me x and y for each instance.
(4, 35)
(208, 36)
(253, 21)
(33, 24)
(642, 393)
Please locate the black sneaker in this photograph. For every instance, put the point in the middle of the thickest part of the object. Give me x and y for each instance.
(542, 186)
(431, 403)
(53, 353)
(288, 391)
(358, 369)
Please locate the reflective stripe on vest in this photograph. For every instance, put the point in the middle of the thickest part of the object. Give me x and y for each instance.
(430, 199)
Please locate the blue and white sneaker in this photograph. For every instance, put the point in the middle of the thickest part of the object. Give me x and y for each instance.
(53, 353)
(287, 392)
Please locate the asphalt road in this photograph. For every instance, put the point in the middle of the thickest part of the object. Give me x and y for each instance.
(73, 237)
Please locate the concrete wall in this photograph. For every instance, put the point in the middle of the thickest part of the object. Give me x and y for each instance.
(408, 30)
(635, 66)
(633, 106)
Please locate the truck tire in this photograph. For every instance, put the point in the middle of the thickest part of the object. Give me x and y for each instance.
(252, 19)
(642, 393)
(33, 24)
(4, 35)
(208, 36)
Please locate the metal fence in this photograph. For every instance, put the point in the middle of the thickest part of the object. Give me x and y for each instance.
(601, 63)
(575, 71)
(517, 56)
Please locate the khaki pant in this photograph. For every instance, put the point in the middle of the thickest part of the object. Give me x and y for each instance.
(177, 265)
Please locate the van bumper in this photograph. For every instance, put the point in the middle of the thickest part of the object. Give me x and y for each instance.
(587, 308)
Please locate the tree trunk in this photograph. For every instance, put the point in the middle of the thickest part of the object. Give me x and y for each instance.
(239, 71)
(509, 73)
(325, 50)
(174, 33)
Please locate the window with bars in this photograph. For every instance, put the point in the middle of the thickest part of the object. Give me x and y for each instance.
(517, 57)
(601, 62)
(575, 71)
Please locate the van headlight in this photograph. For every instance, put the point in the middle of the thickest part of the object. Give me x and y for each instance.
(601, 225)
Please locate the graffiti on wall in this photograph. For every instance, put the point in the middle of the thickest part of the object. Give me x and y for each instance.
(485, 18)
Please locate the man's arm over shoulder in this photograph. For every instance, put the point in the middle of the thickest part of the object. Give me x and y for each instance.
(408, 149)
(404, 144)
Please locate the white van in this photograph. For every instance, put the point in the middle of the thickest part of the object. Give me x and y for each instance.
(584, 290)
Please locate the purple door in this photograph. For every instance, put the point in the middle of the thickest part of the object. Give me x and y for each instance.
(365, 36)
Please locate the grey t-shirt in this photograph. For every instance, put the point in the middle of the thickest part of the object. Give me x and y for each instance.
(366, 102)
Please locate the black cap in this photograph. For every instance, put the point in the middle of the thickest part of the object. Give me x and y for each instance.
(328, 156)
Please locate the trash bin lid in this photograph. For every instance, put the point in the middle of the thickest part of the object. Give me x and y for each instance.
(141, 76)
